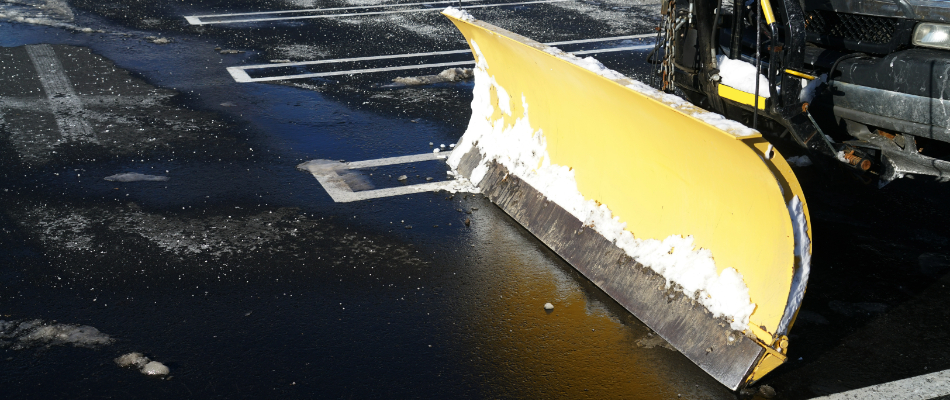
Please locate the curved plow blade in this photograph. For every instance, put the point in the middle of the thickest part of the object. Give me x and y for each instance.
(693, 223)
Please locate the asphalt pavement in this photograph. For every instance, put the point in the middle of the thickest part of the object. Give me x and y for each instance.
(152, 203)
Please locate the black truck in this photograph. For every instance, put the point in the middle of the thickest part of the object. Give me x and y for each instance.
(863, 82)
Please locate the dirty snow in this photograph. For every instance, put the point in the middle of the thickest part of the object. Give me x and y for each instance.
(31, 333)
(524, 153)
(740, 75)
(135, 177)
(136, 360)
(447, 75)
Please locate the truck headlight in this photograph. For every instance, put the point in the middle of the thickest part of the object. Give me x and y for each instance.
(929, 34)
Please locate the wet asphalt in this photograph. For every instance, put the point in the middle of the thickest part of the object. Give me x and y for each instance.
(242, 275)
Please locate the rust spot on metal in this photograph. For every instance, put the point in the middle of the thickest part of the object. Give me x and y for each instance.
(886, 134)
(857, 161)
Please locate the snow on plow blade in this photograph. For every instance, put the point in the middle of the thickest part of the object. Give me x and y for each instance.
(693, 223)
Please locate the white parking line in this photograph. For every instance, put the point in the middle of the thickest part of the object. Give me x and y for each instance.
(613, 49)
(310, 10)
(922, 387)
(431, 53)
(330, 175)
(243, 77)
(240, 74)
(64, 103)
(195, 20)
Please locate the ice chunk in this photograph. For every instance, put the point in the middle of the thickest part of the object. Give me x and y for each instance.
(136, 360)
(142, 363)
(548, 306)
(135, 177)
(155, 368)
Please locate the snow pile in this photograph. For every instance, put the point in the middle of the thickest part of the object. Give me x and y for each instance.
(524, 153)
(799, 161)
(135, 177)
(459, 184)
(458, 14)
(25, 334)
(740, 75)
(142, 363)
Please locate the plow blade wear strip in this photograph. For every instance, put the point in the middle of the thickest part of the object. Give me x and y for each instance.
(692, 222)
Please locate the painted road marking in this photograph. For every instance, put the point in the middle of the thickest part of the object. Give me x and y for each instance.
(240, 73)
(194, 20)
(330, 175)
(197, 18)
(922, 387)
(243, 77)
(64, 103)
(431, 53)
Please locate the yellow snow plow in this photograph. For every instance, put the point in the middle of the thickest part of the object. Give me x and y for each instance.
(692, 222)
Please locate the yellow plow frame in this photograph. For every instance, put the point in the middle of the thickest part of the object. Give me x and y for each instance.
(662, 170)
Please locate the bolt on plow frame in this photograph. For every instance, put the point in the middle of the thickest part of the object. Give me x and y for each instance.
(692, 222)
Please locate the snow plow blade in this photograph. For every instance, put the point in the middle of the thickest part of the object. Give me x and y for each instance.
(692, 222)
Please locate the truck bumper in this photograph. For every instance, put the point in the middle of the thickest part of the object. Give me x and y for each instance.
(906, 91)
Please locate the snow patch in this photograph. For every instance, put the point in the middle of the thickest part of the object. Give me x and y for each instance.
(447, 75)
(840, 156)
(135, 177)
(740, 75)
(24, 334)
(458, 14)
(56, 13)
(523, 152)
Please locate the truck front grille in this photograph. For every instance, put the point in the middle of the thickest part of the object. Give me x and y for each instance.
(859, 28)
